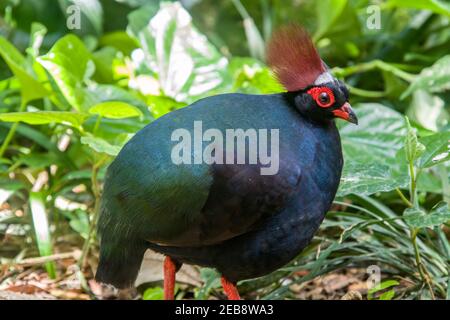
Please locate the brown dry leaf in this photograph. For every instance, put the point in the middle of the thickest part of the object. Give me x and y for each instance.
(69, 294)
(25, 288)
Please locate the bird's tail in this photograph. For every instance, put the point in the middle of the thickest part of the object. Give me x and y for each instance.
(120, 261)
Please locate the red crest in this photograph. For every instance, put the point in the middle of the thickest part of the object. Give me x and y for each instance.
(293, 58)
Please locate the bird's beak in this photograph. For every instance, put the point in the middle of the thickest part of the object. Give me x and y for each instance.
(346, 112)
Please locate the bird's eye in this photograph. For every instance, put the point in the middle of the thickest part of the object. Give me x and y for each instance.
(323, 96)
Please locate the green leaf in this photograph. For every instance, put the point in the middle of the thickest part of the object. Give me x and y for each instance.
(187, 65)
(69, 63)
(100, 145)
(211, 280)
(436, 6)
(38, 31)
(377, 137)
(8, 188)
(328, 11)
(417, 218)
(251, 76)
(79, 221)
(119, 40)
(427, 110)
(370, 151)
(369, 178)
(30, 88)
(42, 230)
(73, 119)
(139, 19)
(104, 64)
(255, 40)
(433, 79)
(92, 11)
(160, 105)
(155, 293)
(115, 110)
(437, 149)
(382, 286)
(413, 148)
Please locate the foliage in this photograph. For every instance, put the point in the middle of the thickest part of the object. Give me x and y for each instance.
(71, 99)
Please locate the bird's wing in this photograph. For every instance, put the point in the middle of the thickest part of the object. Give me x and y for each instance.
(193, 205)
(240, 197)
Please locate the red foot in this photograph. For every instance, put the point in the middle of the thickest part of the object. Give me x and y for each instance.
(230, 289)
(170, 269)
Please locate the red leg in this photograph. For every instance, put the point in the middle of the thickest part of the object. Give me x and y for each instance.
(230, 289)
(170, 268)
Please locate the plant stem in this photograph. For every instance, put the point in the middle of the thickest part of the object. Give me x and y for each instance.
(96, 192)
(413, 184)
(97, 124)
(422, 271)
(375, 64)
(404, 199)
(424, 274)
(11, 131)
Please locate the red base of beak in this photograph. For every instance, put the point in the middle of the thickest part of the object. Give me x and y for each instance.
(346, 112)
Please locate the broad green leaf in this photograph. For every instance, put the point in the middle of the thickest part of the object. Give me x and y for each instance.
(30, 88)
(160, 105)
(370, 151)
(187, 65)
(115, 110)
(103, 93)
(69, 63)
(437, 149)
(139, 19)
(428, 110)
(327, 13)
(100, 145)
(369, 178)
(377, 137)
(413, 148)
(91, 11)
(42, 229)
(73, 119)
(104, 63)
(119, 40)
(437, 6)
(155, 293)
(417, 218)
(433, 79)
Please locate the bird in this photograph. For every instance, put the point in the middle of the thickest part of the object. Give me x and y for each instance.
(226, 210)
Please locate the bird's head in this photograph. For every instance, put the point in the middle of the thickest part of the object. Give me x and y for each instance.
(311, 87)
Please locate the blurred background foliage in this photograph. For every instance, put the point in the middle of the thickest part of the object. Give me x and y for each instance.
(71, 97)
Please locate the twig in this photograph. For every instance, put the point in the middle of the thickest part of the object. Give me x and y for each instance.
(42, 260)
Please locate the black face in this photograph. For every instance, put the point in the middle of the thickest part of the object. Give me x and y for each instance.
(324, 102)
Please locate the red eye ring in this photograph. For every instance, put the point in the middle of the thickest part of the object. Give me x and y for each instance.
(316, 93)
